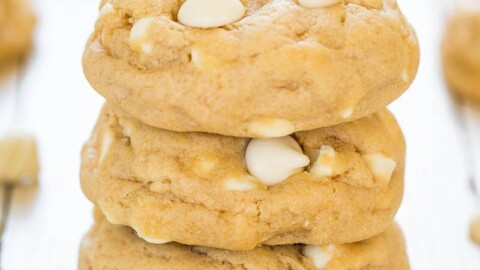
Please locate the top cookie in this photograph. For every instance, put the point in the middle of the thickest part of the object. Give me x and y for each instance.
(461, 54)
(279, 68)
(16, 26)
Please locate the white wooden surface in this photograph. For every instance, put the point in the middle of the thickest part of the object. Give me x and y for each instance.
(48, 222)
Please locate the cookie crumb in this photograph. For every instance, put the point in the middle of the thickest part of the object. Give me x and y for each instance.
(475, 230)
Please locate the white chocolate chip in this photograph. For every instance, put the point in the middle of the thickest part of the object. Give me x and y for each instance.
(139, 40)
(107, 141)
(306, 223)
(203, 60)
(318, 3)
(346, 114)
(244, 183)
(271, 128)
(152, 240)
(155, 241)
(320, 256)
(323, 162)
(97, 47)
(405, 76)
(103, 37)
(128, 130)
(92, 153)
(210, 13)
(205, 166)
(106, 9)
(381, 167)
(147, 48)
(197, 58)
(273, 161)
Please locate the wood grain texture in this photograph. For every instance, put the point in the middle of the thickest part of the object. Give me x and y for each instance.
(48, 221)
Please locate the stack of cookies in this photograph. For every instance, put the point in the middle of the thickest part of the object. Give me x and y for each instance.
(247, 134)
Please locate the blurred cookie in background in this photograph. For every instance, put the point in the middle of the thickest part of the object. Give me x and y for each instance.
(461, 53)
(17, 22)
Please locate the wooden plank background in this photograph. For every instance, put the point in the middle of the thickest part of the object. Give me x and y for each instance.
(48, 221)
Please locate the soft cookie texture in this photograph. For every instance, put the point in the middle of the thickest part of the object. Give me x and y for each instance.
(461, 54)
(110, 247)
(281, 68)
(195, 188)
(16, 28)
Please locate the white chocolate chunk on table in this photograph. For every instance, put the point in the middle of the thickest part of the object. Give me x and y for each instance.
(48, 221)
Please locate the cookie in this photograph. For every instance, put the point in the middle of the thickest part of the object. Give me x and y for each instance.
(110, 247)
(461, 54)
(16, 28)
(283, 66)
(335, 185)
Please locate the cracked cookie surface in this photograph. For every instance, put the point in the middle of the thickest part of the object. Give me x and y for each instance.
(109, 247)
(195, 188)
(16, 28)
(461, 54)
(281, 68)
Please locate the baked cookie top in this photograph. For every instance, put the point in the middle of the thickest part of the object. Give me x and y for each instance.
(281, 67)
(333, 185)
(109, 247)
(16, 27)
(461, 54)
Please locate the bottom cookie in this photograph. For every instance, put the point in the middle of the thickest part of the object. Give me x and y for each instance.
(112, 247)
